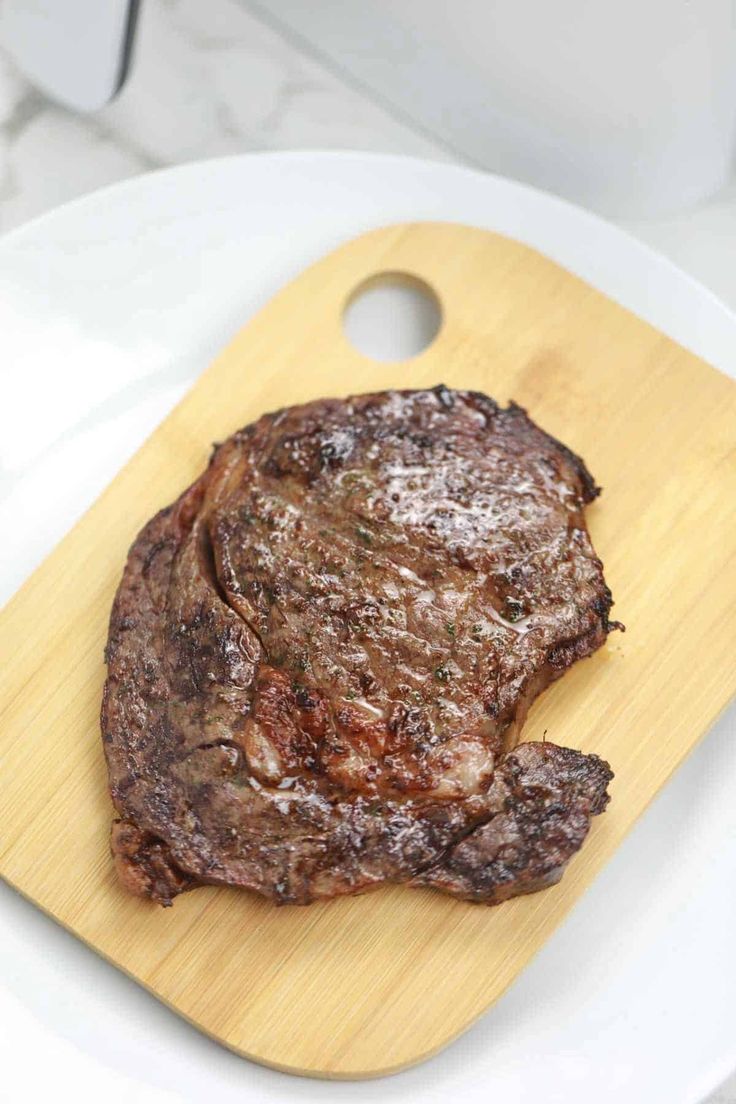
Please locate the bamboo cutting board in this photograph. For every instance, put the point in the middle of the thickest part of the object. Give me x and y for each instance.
(366, 985)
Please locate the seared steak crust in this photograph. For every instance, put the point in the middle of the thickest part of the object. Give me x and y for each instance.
(321, 656)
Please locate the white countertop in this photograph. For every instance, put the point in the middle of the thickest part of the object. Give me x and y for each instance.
(213, 79)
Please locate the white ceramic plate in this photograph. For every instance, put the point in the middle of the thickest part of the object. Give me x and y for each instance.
(109, 307)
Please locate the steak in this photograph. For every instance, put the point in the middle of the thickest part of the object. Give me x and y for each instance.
(321, 656)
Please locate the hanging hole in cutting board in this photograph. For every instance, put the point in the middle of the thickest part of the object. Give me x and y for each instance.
(392, 316)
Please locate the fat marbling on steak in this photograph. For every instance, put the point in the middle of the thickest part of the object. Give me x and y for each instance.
(321, 656)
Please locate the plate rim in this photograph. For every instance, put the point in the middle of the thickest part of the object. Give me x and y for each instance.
(133, 183)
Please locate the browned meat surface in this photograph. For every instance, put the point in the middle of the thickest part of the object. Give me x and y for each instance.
(321, 656)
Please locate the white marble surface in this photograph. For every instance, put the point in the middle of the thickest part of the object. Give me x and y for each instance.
(207, 80)
(211, 79)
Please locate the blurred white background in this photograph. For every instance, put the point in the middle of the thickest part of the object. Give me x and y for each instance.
(232, 75)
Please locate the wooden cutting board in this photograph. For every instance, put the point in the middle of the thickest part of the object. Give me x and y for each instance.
(364, 986)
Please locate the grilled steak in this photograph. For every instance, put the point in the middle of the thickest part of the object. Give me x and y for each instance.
(321, 656)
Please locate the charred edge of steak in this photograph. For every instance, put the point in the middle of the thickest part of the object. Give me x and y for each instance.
(490, 408)
(552, 794)
(144, 865)
(590, 489)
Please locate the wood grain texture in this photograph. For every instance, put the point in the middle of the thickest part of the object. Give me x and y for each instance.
(363, 986)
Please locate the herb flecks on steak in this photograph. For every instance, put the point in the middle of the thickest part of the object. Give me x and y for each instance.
(321, 657)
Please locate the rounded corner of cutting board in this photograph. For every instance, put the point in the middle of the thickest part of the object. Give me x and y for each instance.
(395, 976)
(343, 1068)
